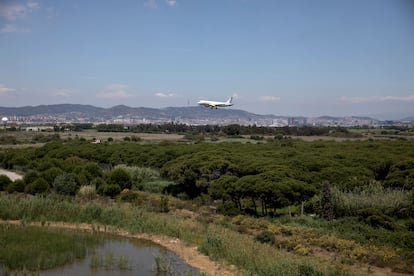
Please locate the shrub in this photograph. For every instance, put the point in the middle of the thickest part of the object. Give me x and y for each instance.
(39, 186)
(65, 184)
(88, 191)
(4, 182)
(98, 182)
(376, 218)
(130, 196)
(51, 173)
(365, 213)
(266, 237)
(16, 186)
(30, 177)
(410, 224)
(212, 246)
(120, 177)
(109, 190)
(228, 209)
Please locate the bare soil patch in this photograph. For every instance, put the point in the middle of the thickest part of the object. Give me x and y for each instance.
(12, 175)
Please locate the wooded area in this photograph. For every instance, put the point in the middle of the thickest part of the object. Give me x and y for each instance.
(249, 178)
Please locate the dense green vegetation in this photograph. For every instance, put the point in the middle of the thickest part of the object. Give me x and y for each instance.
(360, 191)
(270, 176)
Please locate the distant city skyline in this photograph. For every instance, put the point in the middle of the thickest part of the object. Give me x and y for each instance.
(291, 58)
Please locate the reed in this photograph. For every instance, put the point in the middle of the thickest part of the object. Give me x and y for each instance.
(30, 248)
(221, 244)
(392, 202)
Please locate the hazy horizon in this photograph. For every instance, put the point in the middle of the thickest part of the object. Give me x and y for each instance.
(379, 116)
(290, 58)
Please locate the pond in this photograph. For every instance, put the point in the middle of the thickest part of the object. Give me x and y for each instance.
(121, 256)
(113, 255)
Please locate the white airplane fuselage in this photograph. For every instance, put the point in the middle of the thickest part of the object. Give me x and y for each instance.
(215, 104)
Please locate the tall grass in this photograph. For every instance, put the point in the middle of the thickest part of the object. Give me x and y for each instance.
(392, 202)
(216, 241)
(36, 248)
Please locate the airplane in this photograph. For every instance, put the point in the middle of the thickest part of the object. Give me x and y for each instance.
(214, 104)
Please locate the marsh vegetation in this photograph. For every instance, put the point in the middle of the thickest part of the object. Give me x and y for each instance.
(43, 250)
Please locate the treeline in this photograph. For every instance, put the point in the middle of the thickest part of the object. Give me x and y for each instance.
(257, 179)
(230, 130)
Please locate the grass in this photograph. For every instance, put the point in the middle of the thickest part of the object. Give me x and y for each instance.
(220, 243)
(38, 248)
(109, 261)
(233, 240)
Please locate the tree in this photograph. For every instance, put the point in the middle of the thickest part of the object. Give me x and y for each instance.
(65, 184)
(225, 188)
(247, 185)
(326, 202)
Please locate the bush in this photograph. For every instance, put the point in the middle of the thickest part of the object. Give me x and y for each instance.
(228, 209)
(109, 190)
(39, 186)
(30, 177)
(410, 224)
(212, 246)
(88, 191)
(120, 177)
(4, 182)
(376, 218)
(266, 237)
(98, 182)
(130, 196)
(16, 186)
(65, 184)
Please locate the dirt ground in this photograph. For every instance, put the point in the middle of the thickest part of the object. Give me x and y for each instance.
(12, 175)
(187, 253)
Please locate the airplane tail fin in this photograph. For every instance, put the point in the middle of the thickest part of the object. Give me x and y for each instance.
(229, 100)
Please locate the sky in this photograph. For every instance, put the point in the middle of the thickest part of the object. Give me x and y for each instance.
(290, 57)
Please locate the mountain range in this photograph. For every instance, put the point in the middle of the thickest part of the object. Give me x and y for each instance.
(188, 115)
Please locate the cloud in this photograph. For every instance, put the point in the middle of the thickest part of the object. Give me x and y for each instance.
(11, 28)
(63, 92)
(377, 99)
(163, 95)
(14, 12)
(271, 99)
(5, 90)
(151, 4)
(115, 91)
(171, 3)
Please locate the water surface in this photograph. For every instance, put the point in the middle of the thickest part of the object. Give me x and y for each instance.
(121, 256)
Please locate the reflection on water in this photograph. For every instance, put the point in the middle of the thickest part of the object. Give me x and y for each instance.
(126, 257)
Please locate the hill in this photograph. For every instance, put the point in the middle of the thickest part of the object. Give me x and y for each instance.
(194, 115)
